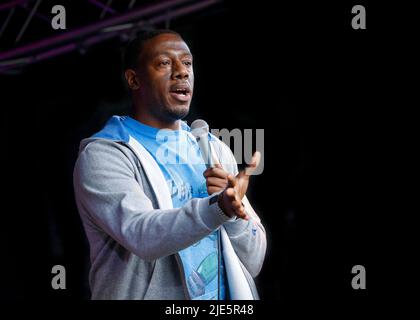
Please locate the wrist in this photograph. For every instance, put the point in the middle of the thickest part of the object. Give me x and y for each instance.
(221, 204)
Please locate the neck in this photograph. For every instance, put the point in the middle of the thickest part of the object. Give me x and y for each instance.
(154, 122)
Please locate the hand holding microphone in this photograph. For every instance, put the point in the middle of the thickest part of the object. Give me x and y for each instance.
(234, 188)
(216, 177)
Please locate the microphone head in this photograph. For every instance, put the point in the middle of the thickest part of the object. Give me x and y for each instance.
(199, 128)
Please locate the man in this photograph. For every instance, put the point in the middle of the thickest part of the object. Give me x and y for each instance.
(160, 225)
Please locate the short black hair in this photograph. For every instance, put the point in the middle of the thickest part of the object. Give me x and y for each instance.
(135, 46)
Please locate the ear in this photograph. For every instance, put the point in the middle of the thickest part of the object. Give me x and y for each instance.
(132, 80)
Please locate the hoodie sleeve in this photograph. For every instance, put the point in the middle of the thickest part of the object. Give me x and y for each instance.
(109, 196)
(248, 238)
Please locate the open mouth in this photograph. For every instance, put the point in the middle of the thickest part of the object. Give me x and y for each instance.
(181, 93)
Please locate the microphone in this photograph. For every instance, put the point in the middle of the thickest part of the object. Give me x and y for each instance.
(200, 131)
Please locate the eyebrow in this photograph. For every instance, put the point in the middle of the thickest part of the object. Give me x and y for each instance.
(166, 53)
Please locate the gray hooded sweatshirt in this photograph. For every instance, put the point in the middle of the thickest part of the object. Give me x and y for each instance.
(135, 234)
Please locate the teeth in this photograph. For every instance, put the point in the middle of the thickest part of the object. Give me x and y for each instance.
(183, 91)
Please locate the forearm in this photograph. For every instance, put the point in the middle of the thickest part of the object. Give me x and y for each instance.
(110, 197)
(152, 234)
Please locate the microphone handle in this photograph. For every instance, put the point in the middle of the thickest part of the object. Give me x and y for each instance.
(204, 144)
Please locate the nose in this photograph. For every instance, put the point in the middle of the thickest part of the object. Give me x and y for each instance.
(180, 71)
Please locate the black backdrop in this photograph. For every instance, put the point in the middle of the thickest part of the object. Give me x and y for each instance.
(298, 71)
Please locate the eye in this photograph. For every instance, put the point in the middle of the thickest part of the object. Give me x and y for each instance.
(188, 63)
(165, 63)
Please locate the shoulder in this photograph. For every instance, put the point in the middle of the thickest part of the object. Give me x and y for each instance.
(97, 154)
(99, 146)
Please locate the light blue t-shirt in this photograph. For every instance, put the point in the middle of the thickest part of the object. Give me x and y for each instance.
(178, 156)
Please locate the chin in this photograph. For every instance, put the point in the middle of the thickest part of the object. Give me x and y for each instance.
(179, 112)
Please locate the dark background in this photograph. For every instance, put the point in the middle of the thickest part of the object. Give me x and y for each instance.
(299, 71)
